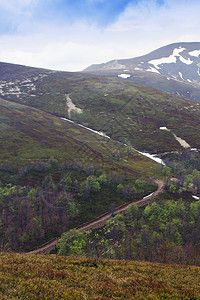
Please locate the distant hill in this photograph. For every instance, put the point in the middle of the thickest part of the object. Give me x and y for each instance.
(173, 68)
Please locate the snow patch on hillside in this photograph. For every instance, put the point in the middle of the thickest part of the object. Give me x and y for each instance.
(171, 59)
(181, 75)
(125, 76)
(195, 197)
(151, 69)
(194, 53)
(151, 156)
(185, 61)
(164, 128)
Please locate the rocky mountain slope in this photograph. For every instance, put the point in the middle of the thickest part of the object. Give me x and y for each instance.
(172, 68)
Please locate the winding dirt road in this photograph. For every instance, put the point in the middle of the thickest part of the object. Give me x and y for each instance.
(101, 220)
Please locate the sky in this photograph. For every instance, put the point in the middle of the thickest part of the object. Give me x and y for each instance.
(70, 35)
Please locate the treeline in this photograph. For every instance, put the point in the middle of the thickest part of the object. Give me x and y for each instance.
(43, 200)
(185, 168)
(168, 232)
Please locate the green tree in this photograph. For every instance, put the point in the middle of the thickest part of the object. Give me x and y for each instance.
(72, 243)
(133, 211)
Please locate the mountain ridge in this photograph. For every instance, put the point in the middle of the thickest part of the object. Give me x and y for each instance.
(173, 68)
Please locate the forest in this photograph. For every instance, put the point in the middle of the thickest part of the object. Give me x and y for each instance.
(167, 230)
(44, 199)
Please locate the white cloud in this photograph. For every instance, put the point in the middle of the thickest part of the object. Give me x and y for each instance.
(74, 46)
(15, 6)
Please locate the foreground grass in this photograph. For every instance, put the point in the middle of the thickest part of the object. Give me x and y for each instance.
(50, 277)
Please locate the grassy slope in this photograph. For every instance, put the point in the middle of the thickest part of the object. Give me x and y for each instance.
(128, 110)
(183, 88)
(51, 277)
(30, 134)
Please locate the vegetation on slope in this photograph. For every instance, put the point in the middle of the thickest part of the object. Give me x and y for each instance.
(51, 277)
(166, 232)
(122, 109)
(55, 175)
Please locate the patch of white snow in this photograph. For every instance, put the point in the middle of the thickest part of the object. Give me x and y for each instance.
(185, 61)
(194, 53)
(180, 74)
(151, 69)
(125, 76)
(68, 120)
(164, 128)
(148, 196)
(167, 60)
(195, 197)
(152, 156)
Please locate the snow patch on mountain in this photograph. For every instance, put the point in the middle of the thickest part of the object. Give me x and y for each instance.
(195, 197)
(151, 69)
(125, 76)
(185, 61)
(181, 75)
(170, 59)
(194, 53)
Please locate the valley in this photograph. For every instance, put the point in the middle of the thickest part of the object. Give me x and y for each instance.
(99, 150)
(77, 146)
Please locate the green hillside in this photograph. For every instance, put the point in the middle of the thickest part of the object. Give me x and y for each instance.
(55, 175)
(120, 108)
(51, 277)
(30, 134)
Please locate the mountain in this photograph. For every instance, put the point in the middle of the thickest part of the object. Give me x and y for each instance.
(122, 109)
(48, 175)
(67, 144)
(173, 68)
